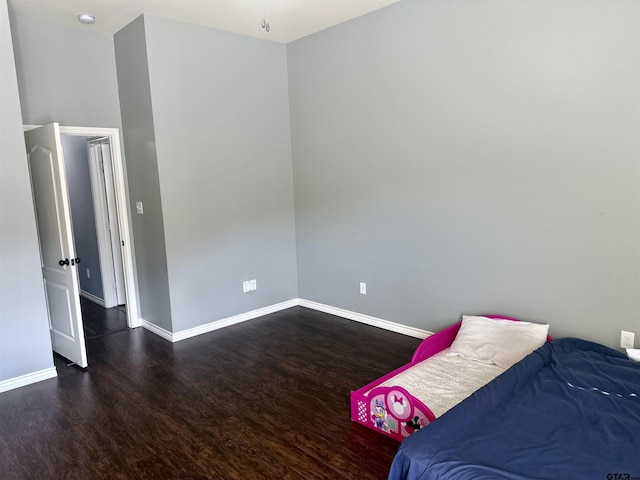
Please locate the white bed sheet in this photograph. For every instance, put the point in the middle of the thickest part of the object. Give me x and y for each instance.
(444, 380)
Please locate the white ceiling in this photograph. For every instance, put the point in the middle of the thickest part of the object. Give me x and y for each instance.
(288, 19)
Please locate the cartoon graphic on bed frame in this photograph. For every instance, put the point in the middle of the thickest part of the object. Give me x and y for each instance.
(394, 411)
(380, 415)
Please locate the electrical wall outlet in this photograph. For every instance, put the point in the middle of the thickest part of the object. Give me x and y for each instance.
(626, 339)
(249, 285)
(363, 288)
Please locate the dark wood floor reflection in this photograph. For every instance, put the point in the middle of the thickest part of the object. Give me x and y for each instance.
(265, 399)
(99, 321)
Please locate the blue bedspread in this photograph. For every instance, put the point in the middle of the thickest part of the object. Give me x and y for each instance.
(570, 410)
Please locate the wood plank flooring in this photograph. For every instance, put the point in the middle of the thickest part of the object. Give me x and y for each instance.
(98, 321)
(265, 399)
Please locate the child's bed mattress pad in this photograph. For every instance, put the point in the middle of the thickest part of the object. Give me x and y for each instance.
(444, 380)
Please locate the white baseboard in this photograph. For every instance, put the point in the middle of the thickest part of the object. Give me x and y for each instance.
(153, 328)
(369, 320)
(28, 379)
(93, 298)
(243, 317)
(225, 322)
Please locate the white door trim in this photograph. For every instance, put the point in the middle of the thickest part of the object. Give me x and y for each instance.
(124, 218)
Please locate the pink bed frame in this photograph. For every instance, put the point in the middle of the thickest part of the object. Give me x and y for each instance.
(392, 410)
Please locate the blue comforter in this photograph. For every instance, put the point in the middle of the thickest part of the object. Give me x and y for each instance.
(570, 410)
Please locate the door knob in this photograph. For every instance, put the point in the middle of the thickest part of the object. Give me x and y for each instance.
(75, 261)
(64, 262)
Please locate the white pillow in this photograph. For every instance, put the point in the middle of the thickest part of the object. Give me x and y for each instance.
(633, 354)
(498, 341)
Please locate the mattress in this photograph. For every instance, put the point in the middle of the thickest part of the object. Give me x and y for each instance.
(444, 380)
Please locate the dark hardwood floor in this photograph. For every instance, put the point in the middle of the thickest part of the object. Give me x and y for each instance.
(265, 399)
(99, 321)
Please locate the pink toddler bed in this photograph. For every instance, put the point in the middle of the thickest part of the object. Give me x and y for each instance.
(412, 396)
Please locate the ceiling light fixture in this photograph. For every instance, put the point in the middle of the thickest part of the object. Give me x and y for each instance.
(86, 19)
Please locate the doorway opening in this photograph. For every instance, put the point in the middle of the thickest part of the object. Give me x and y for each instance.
(94, 219)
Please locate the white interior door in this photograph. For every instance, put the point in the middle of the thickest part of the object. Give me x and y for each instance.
(57, 251)
(108, 235)
(116, 241)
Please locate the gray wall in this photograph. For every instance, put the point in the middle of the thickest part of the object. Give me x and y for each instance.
(80, 86)
(226, 209)
(25, 345)
(221, 118)
(142, 172)
(457, 156)
(472, 157)
(66, 76)
(76, 160)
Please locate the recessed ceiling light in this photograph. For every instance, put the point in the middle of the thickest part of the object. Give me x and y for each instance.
(86, 19)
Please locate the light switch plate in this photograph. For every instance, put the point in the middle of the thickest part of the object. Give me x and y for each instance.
(139, 208)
